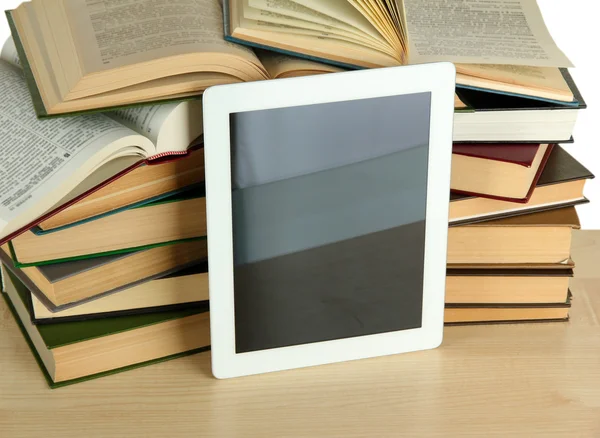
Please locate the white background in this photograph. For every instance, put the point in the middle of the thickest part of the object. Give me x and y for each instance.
(574, 26)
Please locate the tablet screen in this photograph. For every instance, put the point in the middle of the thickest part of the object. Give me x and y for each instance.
(328, 204)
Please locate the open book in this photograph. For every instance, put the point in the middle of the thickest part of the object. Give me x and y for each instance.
(51, 163)
(81, 55)
(498, 45)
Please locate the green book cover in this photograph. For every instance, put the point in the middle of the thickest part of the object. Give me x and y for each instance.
(66, 333)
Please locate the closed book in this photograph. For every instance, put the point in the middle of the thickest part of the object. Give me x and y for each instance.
(61, 286)
(73, 352)
(560, 184)
(507, 286)
(537, 238)
(178, 291)
(501, 118)
(507, 172)
(507, 313)
(161, 223)
(51, 165)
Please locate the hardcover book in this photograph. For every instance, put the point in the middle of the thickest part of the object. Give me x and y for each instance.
(507, 286)
(178, 291)
(61, 286)
(537, 238)
(504, 118)
(507, 172)
(373, 33)
(72, 352)
(164, 222)
(145, 183)
(513, 313)
(560, 184)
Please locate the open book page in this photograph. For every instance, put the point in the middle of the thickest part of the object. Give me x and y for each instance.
(115, 33)
(395, 13)
(343, 11)
(146, 120)
(387, 15)
(537, 78)
(480, 32)
(401, 10)
(172, 127)
(40, 156)
(288, 13)
(283, 66)
(291, 8)
(253, 19)
(371, 10)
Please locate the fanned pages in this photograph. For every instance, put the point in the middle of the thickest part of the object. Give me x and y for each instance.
(507, 51)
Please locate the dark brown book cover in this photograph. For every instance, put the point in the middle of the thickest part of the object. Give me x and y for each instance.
(509, 272)
(485, 101)
(567, 265)
(519, 321)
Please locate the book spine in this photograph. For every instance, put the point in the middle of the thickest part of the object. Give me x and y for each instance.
(178, 154)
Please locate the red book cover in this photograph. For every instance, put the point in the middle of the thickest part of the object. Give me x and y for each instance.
(519, 154)
(522, 154)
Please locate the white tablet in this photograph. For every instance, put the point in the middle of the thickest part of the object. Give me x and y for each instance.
(327, 210)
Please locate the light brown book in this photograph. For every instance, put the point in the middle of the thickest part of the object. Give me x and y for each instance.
(155, 224)
(179, 290)
(507, 314)
(507, 286)
(63, 285)
(542, 238)
(499, 171)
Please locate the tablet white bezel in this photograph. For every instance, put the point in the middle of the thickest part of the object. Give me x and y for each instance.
(219, 103)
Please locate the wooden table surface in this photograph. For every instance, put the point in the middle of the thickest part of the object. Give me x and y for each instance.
(485, 381)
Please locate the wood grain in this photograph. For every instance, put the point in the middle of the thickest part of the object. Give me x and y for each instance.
(493, 381)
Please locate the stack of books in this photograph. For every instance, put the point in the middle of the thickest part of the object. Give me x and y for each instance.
(103, 232)
(512, 213)
(102, 213)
